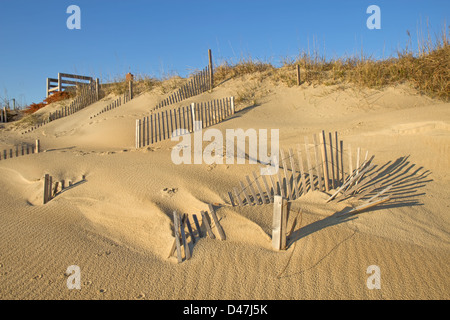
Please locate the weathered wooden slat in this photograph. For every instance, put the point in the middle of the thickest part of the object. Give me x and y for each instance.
(353, 178)
(369, 205)
(367, 191)
(333, 176)
(245, 194)
(286, 175)
(207, 225)
(380, 193)
(294, 172)
(258, 186)
(252, 190)
(308, 161)
(337, 157)
(236, 193)
(280, 183)
(317, 160)
(219, 228)
(302, 170)
(230, 195)
(324, 160)
(191, 233)
(341, 149)
(269, 195)
(177, 226)
(187, 251)
(279, 223)
(197, 226)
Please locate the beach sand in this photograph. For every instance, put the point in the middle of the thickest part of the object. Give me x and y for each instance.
(116, 224)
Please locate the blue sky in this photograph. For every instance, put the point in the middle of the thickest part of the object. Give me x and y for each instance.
(159, 38)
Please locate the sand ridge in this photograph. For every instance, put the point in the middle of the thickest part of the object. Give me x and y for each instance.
(117, 224)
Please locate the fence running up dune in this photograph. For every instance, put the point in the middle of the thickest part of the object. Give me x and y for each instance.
(89, 94)
(200, 82)
(161, 126)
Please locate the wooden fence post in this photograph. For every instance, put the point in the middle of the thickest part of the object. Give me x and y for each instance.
(38, 147)
(130, 88)
(280, 206)
(138, 134)
(193, 116)
(210, 65)
(298, 74)
(176, 226)
(97, 88)
(46, 179)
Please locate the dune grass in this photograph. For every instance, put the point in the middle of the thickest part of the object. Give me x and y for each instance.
(427, 70)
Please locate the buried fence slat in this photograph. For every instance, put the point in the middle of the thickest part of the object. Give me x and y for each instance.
(318, 166)
(159, 127)
(187, 251)
(236, 193)
(302, 170)
(217, 223)
(269, 194)
(379, 193)
(286, 175)
(324, 160)
(337, 157)
(231, 199)
(176, 226)
(163, 126)
(245, 193)
(207, 225)
(332, 161)
(49, 191)
(167, 125)
(308, 161)
(46, 179)
(197, 226)
(279, 223)
(350, 164)
(281, 184)
(367, 191)
(258, 186)
(252, 190)
(191, 233)
(368, 205)
(274, 186)
(341, 152)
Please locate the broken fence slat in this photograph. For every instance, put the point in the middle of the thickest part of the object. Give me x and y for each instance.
(187, 251)
(176, 223)
(197, 226)
(217, 223)
(368, 205)
(207, 225)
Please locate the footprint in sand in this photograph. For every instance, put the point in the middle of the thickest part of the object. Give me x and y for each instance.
(141, 296)
(169, 192)
(102, 290)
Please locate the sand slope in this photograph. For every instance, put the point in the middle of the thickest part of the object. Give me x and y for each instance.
(116, 225)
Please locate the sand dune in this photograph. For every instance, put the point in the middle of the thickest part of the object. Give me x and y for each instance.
(116, 224)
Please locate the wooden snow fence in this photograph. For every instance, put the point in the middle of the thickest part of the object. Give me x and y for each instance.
(199, 83)
(21, 149)
(126, 97)
(175, 122)
(316, 164)
(53, 188)
(88, 95)
(184, 230)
